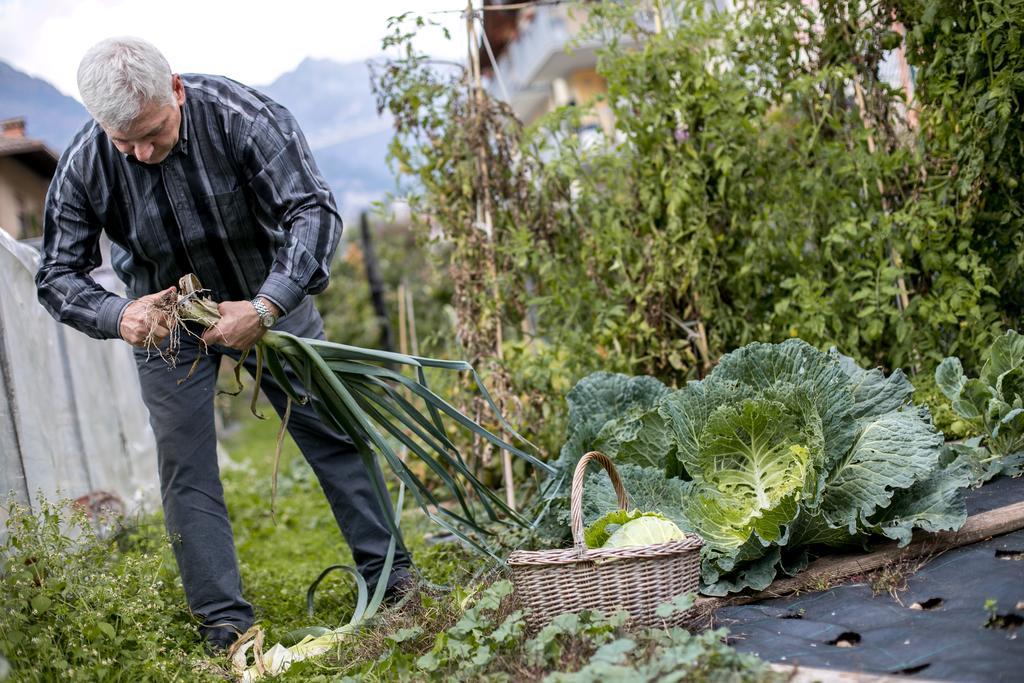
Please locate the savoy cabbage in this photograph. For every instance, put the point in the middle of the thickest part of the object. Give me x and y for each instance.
(780, 448)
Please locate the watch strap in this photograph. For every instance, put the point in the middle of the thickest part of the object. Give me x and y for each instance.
(267, 319)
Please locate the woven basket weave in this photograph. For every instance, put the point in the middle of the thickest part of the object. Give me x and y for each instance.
(637, 579)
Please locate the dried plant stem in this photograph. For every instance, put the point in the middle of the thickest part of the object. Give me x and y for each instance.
(277, 456)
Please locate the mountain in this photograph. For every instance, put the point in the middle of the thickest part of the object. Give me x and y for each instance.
(49, 115)
(332, 101)
(334, 104)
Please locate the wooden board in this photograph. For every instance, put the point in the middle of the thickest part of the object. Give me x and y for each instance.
(807, 674)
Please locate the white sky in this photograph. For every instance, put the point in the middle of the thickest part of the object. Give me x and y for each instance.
(252, 41)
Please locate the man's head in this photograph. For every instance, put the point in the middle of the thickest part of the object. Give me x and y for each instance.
(128, 87)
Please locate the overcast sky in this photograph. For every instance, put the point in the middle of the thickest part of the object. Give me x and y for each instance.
(253, 41)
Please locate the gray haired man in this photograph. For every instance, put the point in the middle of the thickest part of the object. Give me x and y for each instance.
(197, 173)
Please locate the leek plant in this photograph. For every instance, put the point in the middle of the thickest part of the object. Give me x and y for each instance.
(314, 640)
(355, 390)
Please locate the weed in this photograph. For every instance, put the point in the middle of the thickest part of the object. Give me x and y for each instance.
(892, 577)
(79, 607)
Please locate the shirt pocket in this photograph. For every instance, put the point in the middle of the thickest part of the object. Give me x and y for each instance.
(228, 213)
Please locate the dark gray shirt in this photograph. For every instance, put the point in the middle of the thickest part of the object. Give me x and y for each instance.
(239, 201)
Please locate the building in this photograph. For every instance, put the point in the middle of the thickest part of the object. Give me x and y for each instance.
(533, 70)
(26, 167)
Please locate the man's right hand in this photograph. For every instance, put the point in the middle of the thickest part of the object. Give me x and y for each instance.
(142, 324)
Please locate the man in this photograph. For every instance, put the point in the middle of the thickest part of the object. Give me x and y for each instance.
(197, 173)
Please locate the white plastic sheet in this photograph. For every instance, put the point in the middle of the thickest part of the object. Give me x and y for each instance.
(72, 421)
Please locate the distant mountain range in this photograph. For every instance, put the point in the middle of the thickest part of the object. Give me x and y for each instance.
(332, 101)
(337, 111)
(49, 115)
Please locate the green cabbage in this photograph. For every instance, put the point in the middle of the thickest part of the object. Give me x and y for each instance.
(644, 530)
(782, 447)
(595, 535)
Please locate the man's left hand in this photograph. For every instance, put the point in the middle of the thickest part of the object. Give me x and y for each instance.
(239, 327)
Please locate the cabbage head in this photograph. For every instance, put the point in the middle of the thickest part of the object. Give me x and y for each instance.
(645, 530)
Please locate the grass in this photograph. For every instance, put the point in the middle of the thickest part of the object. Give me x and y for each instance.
(80, 607)
(281, 554)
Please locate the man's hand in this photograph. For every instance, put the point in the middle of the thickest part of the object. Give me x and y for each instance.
(239, 327)
(143, 324)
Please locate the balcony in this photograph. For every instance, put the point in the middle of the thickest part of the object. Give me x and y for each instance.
(538, 56)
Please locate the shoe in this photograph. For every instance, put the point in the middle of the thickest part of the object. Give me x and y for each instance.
(219, 639)
(403, 584)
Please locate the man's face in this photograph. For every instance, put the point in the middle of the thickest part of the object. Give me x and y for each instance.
(153, 134)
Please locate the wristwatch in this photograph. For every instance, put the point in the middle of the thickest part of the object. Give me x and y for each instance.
(267, 319)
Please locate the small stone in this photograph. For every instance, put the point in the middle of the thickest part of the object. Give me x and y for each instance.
(916, 606)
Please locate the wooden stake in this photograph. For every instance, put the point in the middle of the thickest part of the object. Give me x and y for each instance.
(376, 283)
(702, 338)
(403, 343)
(807, 674)
(414, 341)
(903, 300)
(484, 212)
(905, 80)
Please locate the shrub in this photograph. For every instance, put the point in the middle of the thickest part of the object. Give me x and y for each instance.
(79, 607)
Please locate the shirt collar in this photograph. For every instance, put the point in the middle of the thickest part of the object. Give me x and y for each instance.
(182, 145)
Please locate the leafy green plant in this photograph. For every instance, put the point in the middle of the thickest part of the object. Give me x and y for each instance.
(472, 643)
(762, 181)
(75, 606)
(490, 642)
(780, 447)
(970, 67)
(993, 406)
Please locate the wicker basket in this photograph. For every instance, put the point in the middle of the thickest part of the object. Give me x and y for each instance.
(637, 579)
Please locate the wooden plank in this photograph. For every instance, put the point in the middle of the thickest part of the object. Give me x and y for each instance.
(978, 527)
(807, 674)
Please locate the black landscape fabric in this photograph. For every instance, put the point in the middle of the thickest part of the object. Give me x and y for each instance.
(940, 628)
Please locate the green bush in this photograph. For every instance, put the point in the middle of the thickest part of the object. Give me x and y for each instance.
(762, 182)
(79, 607)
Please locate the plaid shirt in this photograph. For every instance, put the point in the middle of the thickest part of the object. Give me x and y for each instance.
(239, 201)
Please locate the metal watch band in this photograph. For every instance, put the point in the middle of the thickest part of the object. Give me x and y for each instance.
(267, 318)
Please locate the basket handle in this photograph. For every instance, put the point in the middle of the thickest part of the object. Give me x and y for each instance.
(576, 499)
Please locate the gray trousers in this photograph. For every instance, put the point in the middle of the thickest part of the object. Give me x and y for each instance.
(193, 498)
